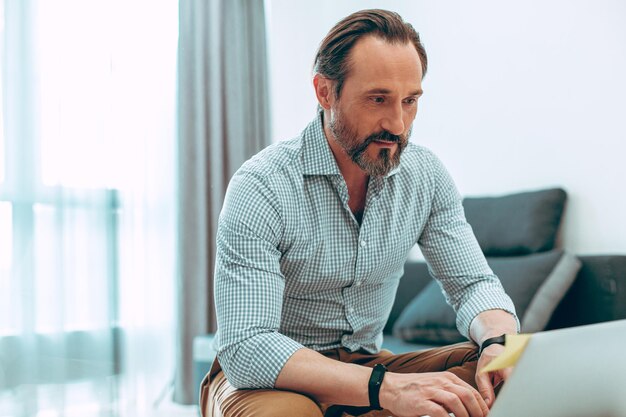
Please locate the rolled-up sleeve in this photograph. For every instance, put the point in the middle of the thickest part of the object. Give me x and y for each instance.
(249, 285)
(455, 258)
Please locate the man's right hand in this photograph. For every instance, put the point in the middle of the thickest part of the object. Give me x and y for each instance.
(434, 394)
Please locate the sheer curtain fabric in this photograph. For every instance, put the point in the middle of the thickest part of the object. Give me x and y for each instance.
(87, 205)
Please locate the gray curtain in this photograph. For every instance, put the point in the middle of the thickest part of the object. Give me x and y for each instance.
(223, 118)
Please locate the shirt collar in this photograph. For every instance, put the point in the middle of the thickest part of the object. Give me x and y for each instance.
(318, 158)
(395, 170)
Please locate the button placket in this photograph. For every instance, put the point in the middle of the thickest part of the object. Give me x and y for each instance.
(360, 266)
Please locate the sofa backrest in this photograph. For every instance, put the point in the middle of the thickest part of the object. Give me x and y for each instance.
(526, 223)
(597, 295)
(516, 224)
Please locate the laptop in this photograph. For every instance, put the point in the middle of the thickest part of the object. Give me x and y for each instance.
(574, 372)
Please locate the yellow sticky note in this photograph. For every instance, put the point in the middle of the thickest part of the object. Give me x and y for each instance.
(513, 348)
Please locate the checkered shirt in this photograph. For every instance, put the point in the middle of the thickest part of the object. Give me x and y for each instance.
(294, 269)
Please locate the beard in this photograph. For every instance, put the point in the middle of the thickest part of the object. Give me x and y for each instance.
(378, 165)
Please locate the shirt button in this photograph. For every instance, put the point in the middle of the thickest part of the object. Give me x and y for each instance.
(350, 310)
(358, 283)
(363, 243)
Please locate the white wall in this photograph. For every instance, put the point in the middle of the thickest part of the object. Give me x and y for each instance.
(518, 96)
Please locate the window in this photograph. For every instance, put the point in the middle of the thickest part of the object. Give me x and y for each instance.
(6, 237)
(76, 73)
(6, 227)
(58, 216)
(2, 151)
(87, 197)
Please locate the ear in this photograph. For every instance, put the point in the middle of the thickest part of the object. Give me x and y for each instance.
(324, 91)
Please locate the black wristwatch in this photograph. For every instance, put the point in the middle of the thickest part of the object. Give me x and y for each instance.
(373, 386)
(491, 341)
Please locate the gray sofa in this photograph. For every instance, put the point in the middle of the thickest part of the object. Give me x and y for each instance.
(550, 287)
(598, 294)
(518, 234)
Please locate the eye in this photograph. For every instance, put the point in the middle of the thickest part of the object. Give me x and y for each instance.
(378, 99)
(411, 100)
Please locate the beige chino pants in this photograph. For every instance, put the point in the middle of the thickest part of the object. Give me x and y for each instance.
(219, 399)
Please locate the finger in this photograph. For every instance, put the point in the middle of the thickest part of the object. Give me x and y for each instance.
(506, 373)
(433, 409)
(482, 405)
(497, 378)
(483, 381)
(474, 403)
(481, 402)
(451, 402)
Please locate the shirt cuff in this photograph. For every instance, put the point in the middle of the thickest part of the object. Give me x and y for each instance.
(257, 362)
(468, 312)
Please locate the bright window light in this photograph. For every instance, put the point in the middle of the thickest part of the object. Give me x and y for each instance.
(73, 253)
(100, 89)
(75, 73)
(6, 238)
(2, 174)
(7, 301)
(76, 399)
(48, 413)
(2, 151)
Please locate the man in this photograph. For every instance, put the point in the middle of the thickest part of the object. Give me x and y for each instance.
(312, 240)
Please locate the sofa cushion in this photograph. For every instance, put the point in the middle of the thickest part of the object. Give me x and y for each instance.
(536, 283)
(597, 295)
(516, 224)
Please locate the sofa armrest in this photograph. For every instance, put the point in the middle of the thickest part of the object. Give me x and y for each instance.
(597, 295)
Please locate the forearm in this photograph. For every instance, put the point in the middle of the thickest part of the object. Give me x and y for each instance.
(334, 382)
(492, 323)
(326, 380)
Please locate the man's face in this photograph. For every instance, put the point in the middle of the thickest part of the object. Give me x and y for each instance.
(372, 119)
(377, 154)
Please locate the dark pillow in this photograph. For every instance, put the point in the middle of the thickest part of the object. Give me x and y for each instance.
(516, 224)
(536, 284)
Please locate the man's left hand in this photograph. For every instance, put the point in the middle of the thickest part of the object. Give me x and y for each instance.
(487, 381)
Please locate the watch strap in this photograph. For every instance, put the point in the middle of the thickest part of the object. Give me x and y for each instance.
(492, 341)
(373, 386)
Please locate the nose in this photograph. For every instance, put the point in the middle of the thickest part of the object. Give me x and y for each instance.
(393, 121)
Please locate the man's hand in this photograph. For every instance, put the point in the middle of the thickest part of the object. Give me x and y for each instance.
(488, 324)
(435, 394)
(487, 381)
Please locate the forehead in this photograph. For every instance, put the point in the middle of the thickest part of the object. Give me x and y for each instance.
(376, 63)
